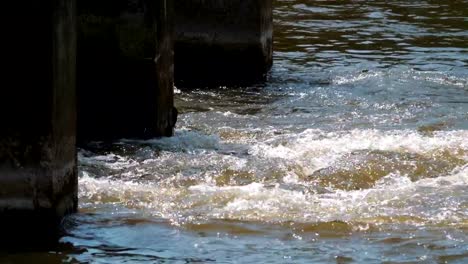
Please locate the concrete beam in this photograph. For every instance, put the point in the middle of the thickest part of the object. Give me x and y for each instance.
(125, 69)
(38, 176)
(222, 41)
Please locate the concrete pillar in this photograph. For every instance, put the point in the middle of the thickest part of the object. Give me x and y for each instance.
(222, 41)
(125, 69)
(38, 179)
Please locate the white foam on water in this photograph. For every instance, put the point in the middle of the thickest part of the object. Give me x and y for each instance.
(315, 149)
(431, 200)
(352, 78)
(176, 90)
(182, 140)
(434, 200)
(399, 196)
(110, 161)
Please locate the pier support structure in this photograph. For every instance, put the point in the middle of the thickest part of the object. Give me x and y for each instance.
(38, 176)
(222, 41)
(103, 70)
(125, 69)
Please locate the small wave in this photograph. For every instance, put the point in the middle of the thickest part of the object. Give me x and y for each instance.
(402, 75)
(352, 78)
(316, 149)
(109, 161)
(183, 140)
(430, 200)
(290, 177)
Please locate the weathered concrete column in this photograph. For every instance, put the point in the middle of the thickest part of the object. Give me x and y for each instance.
(125, 69)
(38, 179)
(222, 41)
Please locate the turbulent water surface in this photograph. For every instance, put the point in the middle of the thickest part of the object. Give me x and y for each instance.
(354, 150)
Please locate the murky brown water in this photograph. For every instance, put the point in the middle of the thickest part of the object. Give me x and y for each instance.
(354, 151)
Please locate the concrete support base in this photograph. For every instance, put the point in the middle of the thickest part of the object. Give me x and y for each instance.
(222, 41)
(125, 69)
(38, 177)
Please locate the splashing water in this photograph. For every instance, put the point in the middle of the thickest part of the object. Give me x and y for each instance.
(354, 150)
